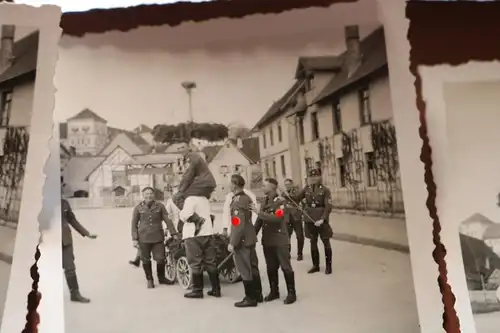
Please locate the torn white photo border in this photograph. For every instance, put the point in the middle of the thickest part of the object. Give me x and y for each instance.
(434, 80)
(33, 223)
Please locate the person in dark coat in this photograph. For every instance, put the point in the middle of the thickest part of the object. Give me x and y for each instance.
(69, 220)
(275, 241)
(197, 181)
(148, 235)
(242, 243)
(293, 216)
(317, 208)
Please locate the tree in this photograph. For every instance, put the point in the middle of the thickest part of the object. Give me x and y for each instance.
(184, 132)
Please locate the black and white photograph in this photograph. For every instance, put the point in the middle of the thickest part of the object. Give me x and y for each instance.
(18, 65)
(476, 192)
(206, 174)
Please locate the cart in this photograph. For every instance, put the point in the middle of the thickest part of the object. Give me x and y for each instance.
(177, 267)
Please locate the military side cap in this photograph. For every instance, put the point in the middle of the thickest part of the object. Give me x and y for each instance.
(314, 172)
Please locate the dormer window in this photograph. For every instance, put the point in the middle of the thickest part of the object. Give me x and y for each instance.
(309, 85)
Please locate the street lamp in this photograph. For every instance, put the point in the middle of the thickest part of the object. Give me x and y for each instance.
(189, 86)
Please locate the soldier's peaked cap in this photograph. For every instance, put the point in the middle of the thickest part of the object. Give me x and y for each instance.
(314, 172)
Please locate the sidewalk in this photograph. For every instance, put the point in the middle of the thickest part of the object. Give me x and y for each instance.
(383, 232)
(7, 241)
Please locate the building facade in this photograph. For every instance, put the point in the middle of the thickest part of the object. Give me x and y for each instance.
(339, 119)
(240, 156)
(18, 64)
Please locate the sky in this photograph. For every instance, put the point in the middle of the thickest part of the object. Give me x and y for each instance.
(135, 77)
(83, 5)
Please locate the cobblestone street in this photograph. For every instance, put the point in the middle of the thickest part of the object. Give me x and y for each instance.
(371, 282)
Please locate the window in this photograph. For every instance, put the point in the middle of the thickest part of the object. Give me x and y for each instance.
(314, 126)
(223, 169)
(309, 85)
(283, 166)
(342, 171)
(238, 168)
(264, 141)
(274, 167)
(365, 114)
(271, 137)
(280, 133)
(267, 169)
(5, 107)
(371, 171)
(301, 130)
(337, 118)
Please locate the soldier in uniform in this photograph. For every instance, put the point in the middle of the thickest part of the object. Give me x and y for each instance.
(68, 219)
(275, 241)
(242, 243)
(148, 235)
(293, 216)
(317, 208)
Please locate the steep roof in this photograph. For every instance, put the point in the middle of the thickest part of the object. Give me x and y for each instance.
(492, 232)
(318, 64)
(275, 110)
(374, 59)
(104, 158)
(79, 167)
(142, 129)
(139, 141)
(211, 151)
(250, 148)
(25, 52)
(88, 114)
(477, 218)
(474, 254)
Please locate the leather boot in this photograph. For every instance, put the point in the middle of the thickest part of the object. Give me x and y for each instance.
(136, 262)
(290, 286)
(74, 289)
(148, 271)
(198, 222)
(257, 288)
(215, 282)
(315, 262)
(274, 286)
(160, 271)
(300, 249)
(197, 291)
(248, 300)
(328, 259)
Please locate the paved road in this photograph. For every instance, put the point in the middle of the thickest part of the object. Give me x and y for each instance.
(4, 283)
(371, 290)
(487, 322)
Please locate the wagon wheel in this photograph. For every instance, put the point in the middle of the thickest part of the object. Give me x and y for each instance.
(231, 275)
(170, 269)
(183, 273)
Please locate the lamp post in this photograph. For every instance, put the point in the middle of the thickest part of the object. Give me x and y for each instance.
(189, 86)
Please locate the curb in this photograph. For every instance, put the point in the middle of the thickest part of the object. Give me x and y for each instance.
(6, 258)
(386, 245)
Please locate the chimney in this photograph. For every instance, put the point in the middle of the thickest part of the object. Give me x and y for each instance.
(239, 142)
(6, 46)
(353, 48)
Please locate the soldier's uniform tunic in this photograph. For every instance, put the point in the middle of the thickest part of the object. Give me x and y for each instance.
(275, 243)
(293, 216)
(243, 239)
(68, 220)
(317, 206)
(147, 229)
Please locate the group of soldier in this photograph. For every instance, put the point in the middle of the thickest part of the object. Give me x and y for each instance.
(281, 214)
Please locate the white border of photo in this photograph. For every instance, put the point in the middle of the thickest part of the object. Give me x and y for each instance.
(33, 207)
(433, 81)
(406, 119)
